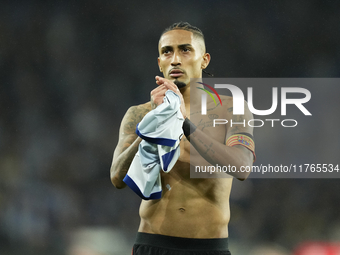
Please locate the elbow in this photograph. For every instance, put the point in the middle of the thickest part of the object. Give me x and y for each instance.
(116, 180)
(243, 172)
(119, 184)
(242, 176)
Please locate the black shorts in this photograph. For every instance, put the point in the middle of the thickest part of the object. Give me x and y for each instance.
(152, 244)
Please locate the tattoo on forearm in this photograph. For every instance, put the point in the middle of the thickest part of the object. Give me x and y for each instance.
(208, 148)
(209, 109)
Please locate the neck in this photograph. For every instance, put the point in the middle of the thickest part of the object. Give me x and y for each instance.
(191, 97)
(186, 94)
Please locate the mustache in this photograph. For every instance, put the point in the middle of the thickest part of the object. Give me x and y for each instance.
(176, 68)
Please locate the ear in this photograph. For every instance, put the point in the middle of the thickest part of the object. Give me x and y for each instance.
(160, 68)
(205, 60)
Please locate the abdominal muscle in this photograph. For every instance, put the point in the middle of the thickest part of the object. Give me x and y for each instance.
(189, 208)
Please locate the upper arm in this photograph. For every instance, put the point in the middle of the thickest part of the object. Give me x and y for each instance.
(127, 130)
(127, 144)
(239, 124)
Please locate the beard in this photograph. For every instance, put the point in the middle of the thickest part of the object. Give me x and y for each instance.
(179, 84)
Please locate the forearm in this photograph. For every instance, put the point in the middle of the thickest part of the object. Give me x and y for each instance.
(217, 153)
(120, 165)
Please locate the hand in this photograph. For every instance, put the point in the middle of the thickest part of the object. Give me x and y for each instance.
(157, 96)
(164, 85)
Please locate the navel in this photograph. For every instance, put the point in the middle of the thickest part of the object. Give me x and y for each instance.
(181, 209)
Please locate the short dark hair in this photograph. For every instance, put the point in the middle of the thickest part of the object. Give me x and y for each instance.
(185, 26)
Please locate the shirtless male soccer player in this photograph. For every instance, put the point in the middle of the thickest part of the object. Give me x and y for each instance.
(192, 217)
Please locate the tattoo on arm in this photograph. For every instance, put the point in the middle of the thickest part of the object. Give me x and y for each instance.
(133, 117)
(128, 141)
(208, 148)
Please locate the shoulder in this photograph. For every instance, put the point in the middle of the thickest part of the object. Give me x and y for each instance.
(133, 116)
(136, 112)
(139, 111)
(227, 101)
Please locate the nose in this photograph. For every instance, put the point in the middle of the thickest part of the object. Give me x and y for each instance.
(176, 59)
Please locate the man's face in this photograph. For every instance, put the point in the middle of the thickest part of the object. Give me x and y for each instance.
(181, 56)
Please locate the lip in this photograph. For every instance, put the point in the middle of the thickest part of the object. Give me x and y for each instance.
(176, 73)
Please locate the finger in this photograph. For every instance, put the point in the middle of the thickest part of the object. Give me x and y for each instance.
(162, 80)
(159, 88)
(158, 98)
(159, 80)
(171, 86)
(160, 91)
(159, 94)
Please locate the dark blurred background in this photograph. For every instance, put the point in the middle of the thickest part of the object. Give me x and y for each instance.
(69, 70)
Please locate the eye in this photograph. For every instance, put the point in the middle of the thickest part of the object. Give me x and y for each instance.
(166, 52)
(186, 49)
